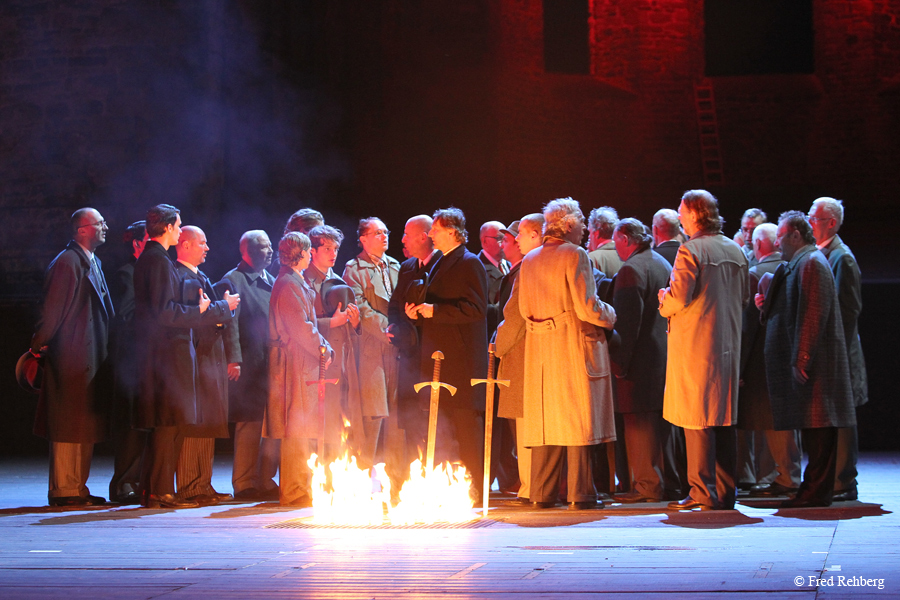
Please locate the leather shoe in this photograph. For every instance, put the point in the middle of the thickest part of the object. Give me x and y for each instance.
(302, 502)
(69, 501)
(169, 501)
(543, 504)
(688, 504)
(845, 496)
(633, 498)
(128, 498)
(221, 497)
(804, 502)
(586, 505)
(763, 490)
(203, 499)
(522, 500)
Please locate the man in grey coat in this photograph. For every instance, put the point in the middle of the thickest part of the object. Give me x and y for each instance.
(72, 337)
(826, 217)
(806, 357)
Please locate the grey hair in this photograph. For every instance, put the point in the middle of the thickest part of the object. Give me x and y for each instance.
(635, 232)
(666, 220)
(603, 220)
(755, 214)
(561, 216)
(765, 230)
(834, 207)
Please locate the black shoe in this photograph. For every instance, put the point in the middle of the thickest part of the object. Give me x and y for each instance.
(688, 504)
(586, 505)
(221, 497)
(523, 500)
(543, 504)
(804, 502)
(248, 495)
(768, 490)
(845, 496)
(203, 499)
(127, 498)
(69, 501)
(168, 501)
(633, 498)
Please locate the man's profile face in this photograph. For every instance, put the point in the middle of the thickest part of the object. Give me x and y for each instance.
(324, 257)
(173, 231)
(577, 234)
(528, 239)
(375, 240)
(259, 251)
(748, 224)
(444, 238)
(491, 239)
(92, 229)
(198, 248)
(623, 246)
(821, 222)
(688, 219)
(414, 239)
(786, 239)
(509, 247)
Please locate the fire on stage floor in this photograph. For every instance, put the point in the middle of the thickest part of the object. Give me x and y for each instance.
(851, 549)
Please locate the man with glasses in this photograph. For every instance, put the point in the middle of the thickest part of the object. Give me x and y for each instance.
(491, 256)
(72, 338)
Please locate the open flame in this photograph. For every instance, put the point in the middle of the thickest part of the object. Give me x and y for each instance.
(356, 496)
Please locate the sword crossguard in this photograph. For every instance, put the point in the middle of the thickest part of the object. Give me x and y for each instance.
(503, 382)
(436, 385)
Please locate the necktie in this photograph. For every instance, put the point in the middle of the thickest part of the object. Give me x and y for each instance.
(386, 277)
(98, 277)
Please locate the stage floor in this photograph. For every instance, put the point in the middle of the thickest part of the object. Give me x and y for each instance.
(256, 551)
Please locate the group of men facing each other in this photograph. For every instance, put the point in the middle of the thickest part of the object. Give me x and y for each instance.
(674, 355)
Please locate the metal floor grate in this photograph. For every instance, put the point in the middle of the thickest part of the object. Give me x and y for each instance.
(307, 523)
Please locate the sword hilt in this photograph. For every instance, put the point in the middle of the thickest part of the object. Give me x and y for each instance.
(438, 356)
(322, 351)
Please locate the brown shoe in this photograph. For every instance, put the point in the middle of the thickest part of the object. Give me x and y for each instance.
(169, 501)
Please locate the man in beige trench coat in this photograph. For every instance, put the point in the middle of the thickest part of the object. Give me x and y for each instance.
(704, 303)
(568, 403)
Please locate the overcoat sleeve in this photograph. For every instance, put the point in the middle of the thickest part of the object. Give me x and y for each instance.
(59, 300)
(812, 311)
(371, 321)
(512, 329)
(588, 306)
(629, 304)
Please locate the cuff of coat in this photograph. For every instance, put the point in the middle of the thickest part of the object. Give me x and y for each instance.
(803, 359)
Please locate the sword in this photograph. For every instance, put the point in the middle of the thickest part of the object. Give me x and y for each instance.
(489, 422)
(321, 382)
(436, 385)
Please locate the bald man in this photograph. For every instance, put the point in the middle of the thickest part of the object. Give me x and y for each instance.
(193, 474)
(72, 336)
(491, 256)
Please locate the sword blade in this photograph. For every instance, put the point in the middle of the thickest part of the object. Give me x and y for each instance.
(488, 431)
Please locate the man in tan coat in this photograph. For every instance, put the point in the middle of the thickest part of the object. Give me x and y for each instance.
(568, 404)
(704, 303)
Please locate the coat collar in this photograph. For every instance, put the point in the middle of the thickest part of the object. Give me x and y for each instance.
(447, 261)
(252, 274)
(800, 255)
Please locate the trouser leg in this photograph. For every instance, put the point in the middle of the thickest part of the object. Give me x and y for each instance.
(295, 474)
(70, 468)
(645, 456)
(194, 472)
(546, 467)
(372, 431)
(468, 430)
(701, 462)
(746, 458)
(162, 459)
(674, 462)
(726, 466)
(785, 448)
(129, 451)
(524, 460)
(247, 444)
(818, 478)
(269, 459)
(580, 483)
(847, 456)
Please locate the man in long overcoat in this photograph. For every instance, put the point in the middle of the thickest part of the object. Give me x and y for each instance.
(255, 457)
(292, 408)
(826, 217)
(193, 475)
(640, 358)
(167, 359)
(806, 357)
(453, 319)
(73, 336)
(754, 405)
(568, 402)
(704, 304)
(372, 276)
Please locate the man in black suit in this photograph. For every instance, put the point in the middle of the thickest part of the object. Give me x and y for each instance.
(666, 228)
(491, 257)
(193, 474)
(167, 359)
(73, 336)
(826, 217)
(255, 458)
(453, 320)
(124, 487)
(405, 333)
(640, 358)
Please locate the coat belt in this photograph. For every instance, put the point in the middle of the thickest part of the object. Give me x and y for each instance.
(548, 325)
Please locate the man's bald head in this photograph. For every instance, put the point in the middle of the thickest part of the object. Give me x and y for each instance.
(192, 247)
(490, 237)
(256, 249)
(415, 237)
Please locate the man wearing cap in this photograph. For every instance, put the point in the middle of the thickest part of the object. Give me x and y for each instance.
(73, 335)
(372, 276)
(337, 319)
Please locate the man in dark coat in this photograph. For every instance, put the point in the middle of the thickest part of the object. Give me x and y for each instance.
(73, 336)
(195, 465)
(255, 457)
(124, 487)
(806, 357)
(405, 333)
(826, 217)
(167, 359)
(491, 257)
(666, 228)
(453, 321)
(640, 358)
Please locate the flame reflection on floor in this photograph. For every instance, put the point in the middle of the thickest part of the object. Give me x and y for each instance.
(362, 497)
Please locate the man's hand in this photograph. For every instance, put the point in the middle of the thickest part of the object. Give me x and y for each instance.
(234, 371)
(353, 315)
(759, 300)
(232, 299)
(204, 302)
(424, 310)
(800, 375)
(340, 316)
(662, 294)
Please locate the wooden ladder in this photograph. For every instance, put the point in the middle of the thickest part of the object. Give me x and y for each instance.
(710, 149)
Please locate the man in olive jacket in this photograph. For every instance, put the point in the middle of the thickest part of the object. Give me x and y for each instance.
(72, 336)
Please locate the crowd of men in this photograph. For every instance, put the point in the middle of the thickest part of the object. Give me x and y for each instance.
(661, 363)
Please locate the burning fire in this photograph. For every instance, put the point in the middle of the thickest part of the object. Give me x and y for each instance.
(356, 496)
